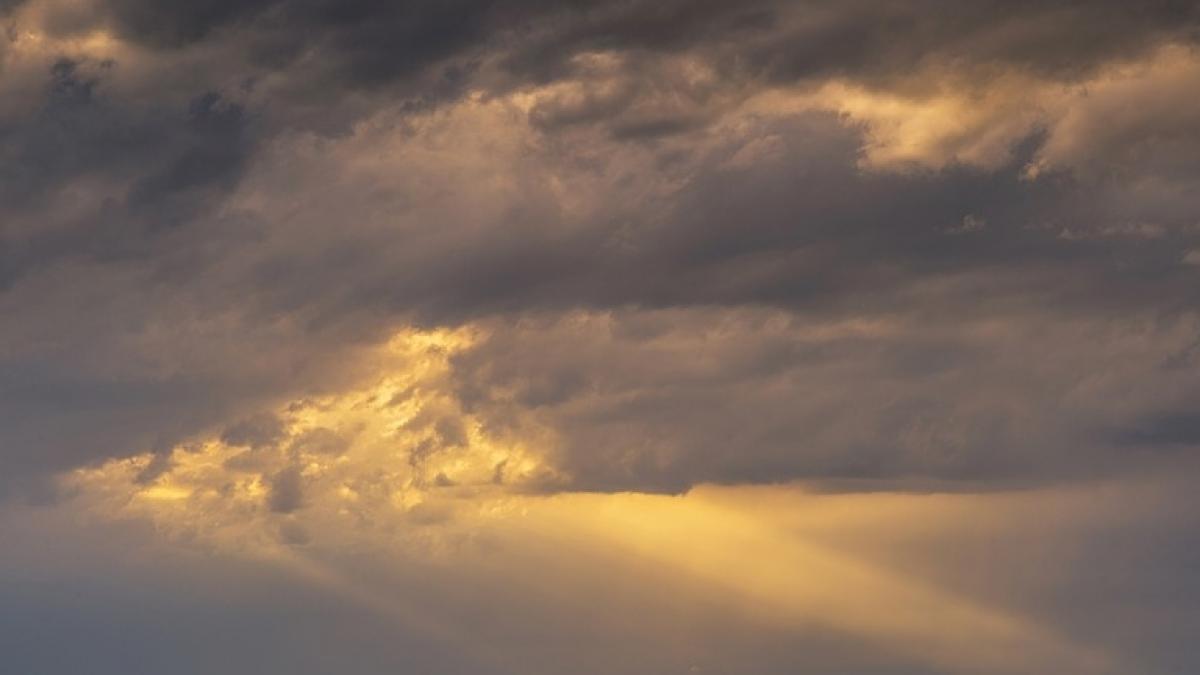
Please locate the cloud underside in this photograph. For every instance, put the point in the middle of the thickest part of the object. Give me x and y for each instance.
(765, 298)
(406, 299)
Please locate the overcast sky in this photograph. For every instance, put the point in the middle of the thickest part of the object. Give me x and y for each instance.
(631, 337)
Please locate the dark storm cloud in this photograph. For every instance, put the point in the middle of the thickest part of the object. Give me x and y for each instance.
(89, 181)
(961, 252)
(809, 230)
(1179, 428)
(1060, 39)
(371, 42)
(144, 304)
(253, 432)
(867, 246)
(287, 491)
(663, 401)
(360, 43)
(806, 232)
(160, 164)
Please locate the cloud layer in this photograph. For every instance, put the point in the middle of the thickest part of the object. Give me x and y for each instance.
(270, 267)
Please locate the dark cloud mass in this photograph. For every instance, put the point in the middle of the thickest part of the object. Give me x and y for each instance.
(120, 189)
(571, 250)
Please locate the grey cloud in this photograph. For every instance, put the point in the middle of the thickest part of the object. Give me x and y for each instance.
(670, 288)
(710, 395)
(1059, 39)
(867, 40)
(371, 44)
(90, 177)
(805, 231)
(253, 432)
(811, 231)
(149, 304)
(159, 464)
(1164, 428)
(321, 441)
(287, 491)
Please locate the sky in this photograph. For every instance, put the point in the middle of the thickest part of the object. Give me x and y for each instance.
(607, 337)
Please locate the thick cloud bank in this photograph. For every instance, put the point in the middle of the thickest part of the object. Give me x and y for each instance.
(295, 280)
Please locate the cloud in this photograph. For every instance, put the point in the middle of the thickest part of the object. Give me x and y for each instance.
(229, 291)
(286, 491)
(254, 432)
(670, 399)
(541, 337)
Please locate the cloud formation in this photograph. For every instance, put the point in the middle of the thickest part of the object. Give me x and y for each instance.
(288, 277)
